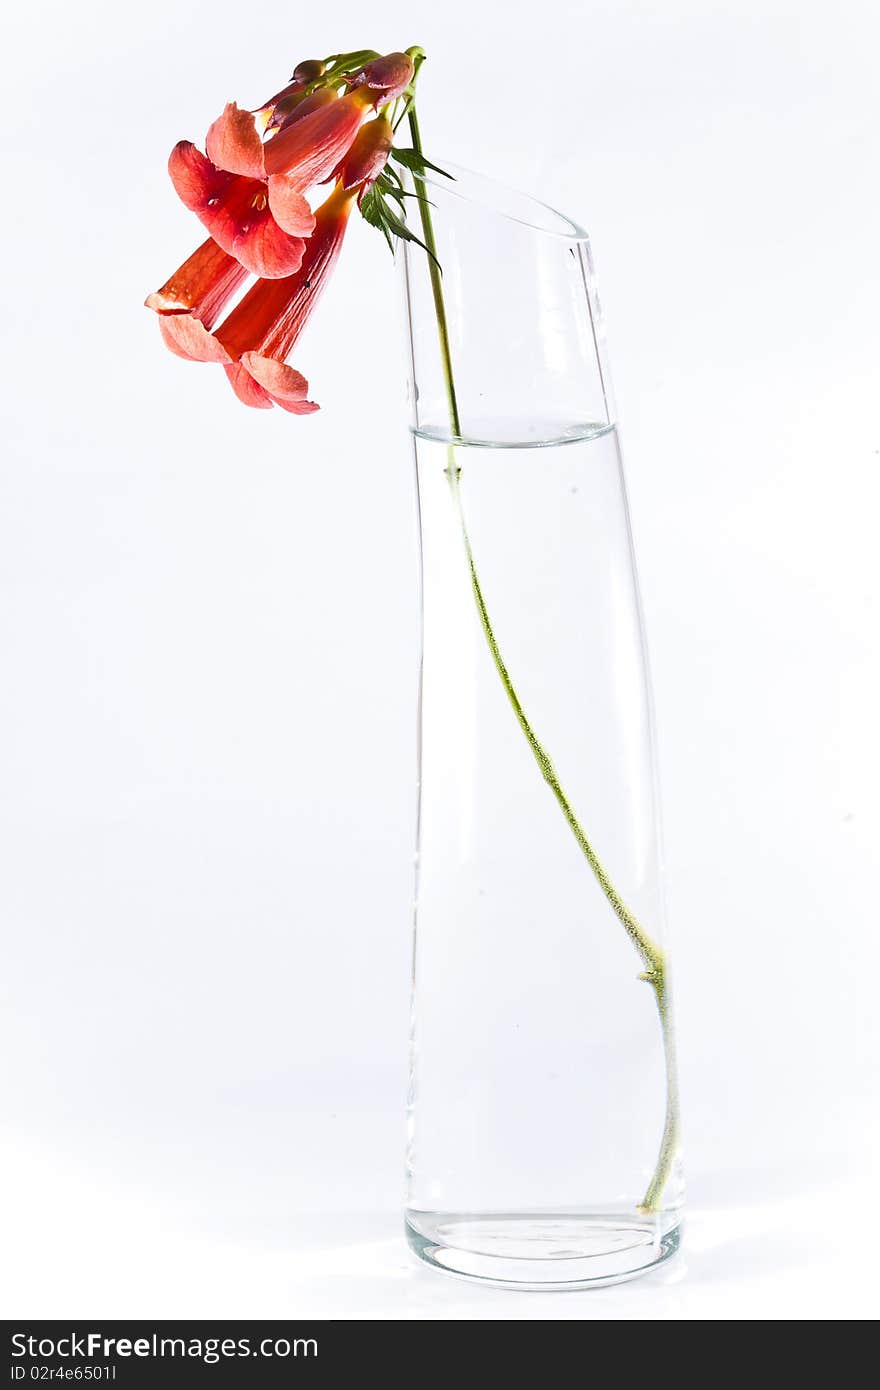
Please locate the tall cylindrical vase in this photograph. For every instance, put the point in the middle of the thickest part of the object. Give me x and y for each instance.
(543, 1121)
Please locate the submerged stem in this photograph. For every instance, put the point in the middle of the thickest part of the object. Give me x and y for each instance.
(655, 973)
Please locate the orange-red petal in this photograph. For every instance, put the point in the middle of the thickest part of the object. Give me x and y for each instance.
(201, 286)
(297, 407)
(233, 143)
(276, 377)
(289, 207)
(292, 385)
(235, 210)
(267, 250)
(171, 341)
(187, 337)
(308, 148)
(249, 392)
(195, 178)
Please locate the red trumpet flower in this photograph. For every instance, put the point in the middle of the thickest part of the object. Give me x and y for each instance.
(249, 192)
(254, 340)
(263, 225)
(308, 134)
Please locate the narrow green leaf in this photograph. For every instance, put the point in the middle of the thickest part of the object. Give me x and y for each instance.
(412, 159)
(372, 209)
(399, 228)
(375, 210)
(390, 173)
(390, 190)
(399, 194)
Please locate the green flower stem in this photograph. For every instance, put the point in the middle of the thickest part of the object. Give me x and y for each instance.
(655, 972)
(436, 283)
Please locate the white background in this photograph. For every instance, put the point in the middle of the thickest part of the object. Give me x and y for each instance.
(208, 628)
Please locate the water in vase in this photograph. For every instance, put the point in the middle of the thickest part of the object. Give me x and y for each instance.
(538, 1071)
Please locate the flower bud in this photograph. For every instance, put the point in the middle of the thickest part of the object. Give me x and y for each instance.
(296, 106)
(369, 154)
(308, 70)
(389, 75)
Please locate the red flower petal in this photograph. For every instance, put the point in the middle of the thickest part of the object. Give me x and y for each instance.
(247, 390)
(187, 337)
(266, 250)
(195, 178)
(235, 211)
(289, 207)
(171, 341)
(276, 377)
(292, 385)
(309, 148)
(234, 144)
(201, 286)
(297, 407)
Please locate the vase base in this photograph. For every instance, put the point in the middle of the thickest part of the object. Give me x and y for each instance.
(553, 1251)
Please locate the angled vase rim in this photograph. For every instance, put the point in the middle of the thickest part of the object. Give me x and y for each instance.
(511, 204)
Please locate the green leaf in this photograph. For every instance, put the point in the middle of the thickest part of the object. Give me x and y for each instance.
(375, 210)
(391, 174)
(412, 159)
(371, 202)
(400, 194)
(390, 190)
(399, 229)
(372, 209)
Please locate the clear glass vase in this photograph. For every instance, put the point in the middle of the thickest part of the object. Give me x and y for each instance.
(543, 1111)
